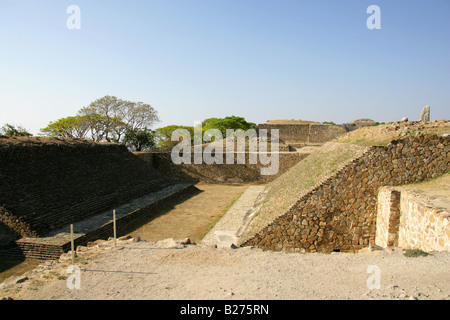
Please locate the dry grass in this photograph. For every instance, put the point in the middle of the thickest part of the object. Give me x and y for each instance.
(384, 133)
(285, 191)
(15, 266)
(35, 141)
(437, 190)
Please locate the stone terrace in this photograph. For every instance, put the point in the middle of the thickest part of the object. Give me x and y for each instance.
(48, 183)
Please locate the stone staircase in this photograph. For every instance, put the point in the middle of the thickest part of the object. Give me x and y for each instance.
(99, 226)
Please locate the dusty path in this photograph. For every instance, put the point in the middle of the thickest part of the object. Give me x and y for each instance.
(146, 270)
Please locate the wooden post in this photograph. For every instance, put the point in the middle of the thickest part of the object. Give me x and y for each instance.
(114, 226)
(72, 244)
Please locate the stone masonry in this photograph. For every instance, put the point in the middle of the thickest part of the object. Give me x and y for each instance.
(340, 213)
(218, 173)
(422, 226)
(304, 133)
(407, 220)
(50, 183)
(388, 217)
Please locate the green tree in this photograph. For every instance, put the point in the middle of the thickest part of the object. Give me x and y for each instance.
(111, 117)
(163, 136)
(105, 119)
(69, 127)
(139, 139)
(223, 124)
(10, 130)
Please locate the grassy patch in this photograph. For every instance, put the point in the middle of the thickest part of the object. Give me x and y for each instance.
(415, 253)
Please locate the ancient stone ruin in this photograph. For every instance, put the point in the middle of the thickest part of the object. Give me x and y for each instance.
(300, 133)
(340, 213)
(47, 184)
(297, 139)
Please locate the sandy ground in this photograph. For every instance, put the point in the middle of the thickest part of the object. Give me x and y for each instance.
(167, 270)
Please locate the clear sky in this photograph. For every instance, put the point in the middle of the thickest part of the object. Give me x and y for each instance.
(260, 59)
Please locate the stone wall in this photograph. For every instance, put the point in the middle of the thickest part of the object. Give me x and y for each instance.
(422, 226)
(7, 235)
(307, 133)
(388, 217)
(340, 213)
(53, 247)
(407, 220)
(50, 183)
(13, 227)
(218, 173)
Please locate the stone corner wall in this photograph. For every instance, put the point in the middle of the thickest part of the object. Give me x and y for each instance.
(406, 219)
(422, 226)
(12, 227)
(340, 214)
(388, 217)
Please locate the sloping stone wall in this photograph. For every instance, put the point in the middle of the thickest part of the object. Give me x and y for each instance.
(340, 213)
(218, 173)
(47, 184)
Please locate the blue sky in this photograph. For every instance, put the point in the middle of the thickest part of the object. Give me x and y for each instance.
(260, 59)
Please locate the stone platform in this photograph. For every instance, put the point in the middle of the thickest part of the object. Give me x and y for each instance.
(99, 226)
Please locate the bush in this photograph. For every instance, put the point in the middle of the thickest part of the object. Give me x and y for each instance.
(415, 253)
(11, 131)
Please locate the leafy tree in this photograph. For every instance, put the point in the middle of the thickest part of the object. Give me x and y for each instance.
(69, 127)
(10, 130)
(111, 117)
(105, 119)
(223, 124)
(163, 136)
(139, 139)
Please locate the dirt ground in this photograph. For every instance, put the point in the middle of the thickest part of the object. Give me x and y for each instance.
(166, 271)
(193, 217)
